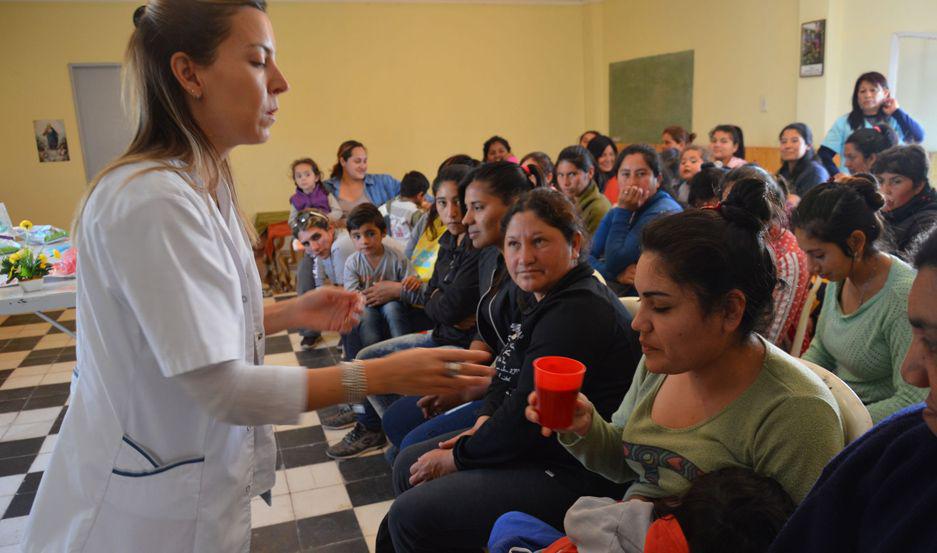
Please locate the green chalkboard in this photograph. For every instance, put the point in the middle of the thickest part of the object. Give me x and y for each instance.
(645, 95)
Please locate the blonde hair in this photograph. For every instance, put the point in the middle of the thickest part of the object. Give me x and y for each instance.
(166, 131)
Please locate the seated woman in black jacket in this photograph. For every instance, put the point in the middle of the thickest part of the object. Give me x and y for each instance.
(910, 202)
(448, 299)
(487, 193)
(800, 168)
(448, 498)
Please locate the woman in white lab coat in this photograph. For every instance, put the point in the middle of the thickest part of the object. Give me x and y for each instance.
(163, 445)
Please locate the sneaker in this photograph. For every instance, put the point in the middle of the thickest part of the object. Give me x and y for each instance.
(342, 417)
(357, 442)
(309, 342)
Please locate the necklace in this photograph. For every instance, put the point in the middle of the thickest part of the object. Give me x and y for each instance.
(864, 289)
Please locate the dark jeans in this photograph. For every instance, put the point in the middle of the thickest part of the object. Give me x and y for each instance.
(367, 415)
(457, 512)
(393, 314)
(306, 281)
(405, 425)
(351, 345)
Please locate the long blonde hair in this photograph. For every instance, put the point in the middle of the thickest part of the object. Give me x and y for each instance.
(166, 131)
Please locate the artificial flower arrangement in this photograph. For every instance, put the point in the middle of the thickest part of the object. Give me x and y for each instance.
(25, 265)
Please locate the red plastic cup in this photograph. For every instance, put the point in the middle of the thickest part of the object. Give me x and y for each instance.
(557, 381)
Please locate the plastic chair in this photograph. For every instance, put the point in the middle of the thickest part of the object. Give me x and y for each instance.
(805, 318)
(856, 418)
(631, 304)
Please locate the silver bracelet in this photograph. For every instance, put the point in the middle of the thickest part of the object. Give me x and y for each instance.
(354, 381)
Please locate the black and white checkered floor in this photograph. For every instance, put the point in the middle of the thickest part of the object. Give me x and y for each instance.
(318, 504)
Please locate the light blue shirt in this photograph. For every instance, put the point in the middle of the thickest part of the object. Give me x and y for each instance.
(903, 124)
(378, 188)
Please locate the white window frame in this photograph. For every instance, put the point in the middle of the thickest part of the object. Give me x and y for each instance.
(895, 51)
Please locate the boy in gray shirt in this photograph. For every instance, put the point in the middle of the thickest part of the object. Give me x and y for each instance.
(371, 263)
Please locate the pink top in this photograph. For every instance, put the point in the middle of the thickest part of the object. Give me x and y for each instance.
(735, 162)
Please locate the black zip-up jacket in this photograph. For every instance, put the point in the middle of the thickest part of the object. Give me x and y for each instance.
(497, 306)
(912, 220)
(451, 295)
(579, 318)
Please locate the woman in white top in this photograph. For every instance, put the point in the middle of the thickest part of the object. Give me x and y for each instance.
(158, 451)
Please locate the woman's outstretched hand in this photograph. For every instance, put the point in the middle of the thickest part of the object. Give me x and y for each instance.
(582, 415)
(328, 308)
(422, 371)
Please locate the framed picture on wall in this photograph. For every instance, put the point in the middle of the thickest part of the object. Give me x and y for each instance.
(51, 143)
(812, 43)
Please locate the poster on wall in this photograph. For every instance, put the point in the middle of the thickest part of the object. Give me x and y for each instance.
(50, 140)
(812, 41)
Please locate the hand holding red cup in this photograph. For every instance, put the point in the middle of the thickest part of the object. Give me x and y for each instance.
(556, 403)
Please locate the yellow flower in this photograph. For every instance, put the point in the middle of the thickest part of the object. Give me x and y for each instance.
(43, 258)
(43, 265)
(56, 254)
(26, 224)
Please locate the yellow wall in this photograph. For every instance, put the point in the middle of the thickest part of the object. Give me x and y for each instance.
(40, 40)
(744, 49)
(417, 82)
(867, 41)
(414, 82)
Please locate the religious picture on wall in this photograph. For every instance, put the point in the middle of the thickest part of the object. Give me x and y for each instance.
(50, 140)
(812, 41)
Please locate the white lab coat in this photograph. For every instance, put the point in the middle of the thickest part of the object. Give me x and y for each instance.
(167, 285)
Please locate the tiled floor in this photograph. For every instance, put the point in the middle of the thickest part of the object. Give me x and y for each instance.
(318, 504)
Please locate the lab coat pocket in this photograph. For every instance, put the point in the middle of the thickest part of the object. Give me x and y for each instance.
(153, 509)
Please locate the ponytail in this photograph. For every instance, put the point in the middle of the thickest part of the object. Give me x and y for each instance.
(763, 196)
(704, 186)
(831, 212)
(871, 141)
(535, 175)
(504, 179)
(344, 153)
(715, 251)
(680, 135)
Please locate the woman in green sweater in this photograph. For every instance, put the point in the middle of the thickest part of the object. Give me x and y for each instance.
(863, 332)
(709, 393)
(575, 178)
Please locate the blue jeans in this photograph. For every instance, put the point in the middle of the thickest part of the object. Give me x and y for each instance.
(405, 424)
(393, 313)
(351, 345)
(369, 413)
